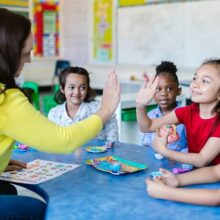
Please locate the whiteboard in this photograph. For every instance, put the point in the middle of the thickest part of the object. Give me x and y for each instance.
(186, 33)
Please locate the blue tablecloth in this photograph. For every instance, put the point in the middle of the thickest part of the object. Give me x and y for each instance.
(86, 193)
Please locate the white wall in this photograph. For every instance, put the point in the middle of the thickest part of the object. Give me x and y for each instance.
(75, 46)
(186, 33)
(74, 20)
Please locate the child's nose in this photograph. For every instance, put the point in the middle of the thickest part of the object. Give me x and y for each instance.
(77, 91)
(164, 92)
(195, 83)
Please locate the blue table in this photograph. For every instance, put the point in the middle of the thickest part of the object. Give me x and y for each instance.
(86, 193)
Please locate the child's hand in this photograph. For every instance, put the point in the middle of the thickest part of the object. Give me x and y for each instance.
(15, 165)
(169, 178)
(146, 93)
(160, 142)
(155, 188)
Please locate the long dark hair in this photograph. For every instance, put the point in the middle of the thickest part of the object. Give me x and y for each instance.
(14, 30)
(60, 97)
(215, 62)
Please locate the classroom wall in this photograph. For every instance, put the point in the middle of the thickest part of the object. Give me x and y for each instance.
(74, 17)
(75, 47)
(74, 44)
(186, 33)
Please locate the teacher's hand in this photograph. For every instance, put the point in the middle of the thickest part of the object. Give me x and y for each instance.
(15, 165)
(110, 97)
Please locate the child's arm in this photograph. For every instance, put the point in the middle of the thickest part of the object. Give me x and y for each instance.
(144, 97)
(206, 155)
(158, 189)
(198, 176)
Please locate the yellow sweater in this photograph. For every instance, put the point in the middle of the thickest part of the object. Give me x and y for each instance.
(20, 121)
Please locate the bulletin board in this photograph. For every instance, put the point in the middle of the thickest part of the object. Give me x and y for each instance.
(46, 28)
(102, 33)
(186, 33)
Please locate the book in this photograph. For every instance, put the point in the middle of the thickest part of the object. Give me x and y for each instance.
(38, 171)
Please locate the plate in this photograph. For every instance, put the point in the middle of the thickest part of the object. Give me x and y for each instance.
(96, 149)
(116, 165)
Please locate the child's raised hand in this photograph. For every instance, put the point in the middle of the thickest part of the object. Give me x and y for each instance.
(146, 92)
(160, 142)
(110, 97)
(169, 178)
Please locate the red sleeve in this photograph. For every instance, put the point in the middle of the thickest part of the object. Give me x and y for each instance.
(216, 131)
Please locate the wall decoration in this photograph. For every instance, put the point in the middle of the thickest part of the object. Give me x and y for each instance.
(46, 28)
(103, 31)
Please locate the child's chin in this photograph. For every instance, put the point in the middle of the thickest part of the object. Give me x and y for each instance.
(195, 100)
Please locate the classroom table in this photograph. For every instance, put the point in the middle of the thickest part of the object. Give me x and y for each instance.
(86, 193)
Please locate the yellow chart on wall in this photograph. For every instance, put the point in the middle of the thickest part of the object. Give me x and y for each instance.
(103, 30)
(123, 3)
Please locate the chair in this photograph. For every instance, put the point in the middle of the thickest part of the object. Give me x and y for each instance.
(48, 103)
(59, 66)
(32, 89)
(48, 100)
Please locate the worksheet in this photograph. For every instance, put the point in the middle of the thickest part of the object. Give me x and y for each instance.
(38, 171)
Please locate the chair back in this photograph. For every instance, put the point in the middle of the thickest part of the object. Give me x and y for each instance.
(60, 65)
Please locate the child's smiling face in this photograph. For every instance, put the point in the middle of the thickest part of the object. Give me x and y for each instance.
(75, 89)
(205, 87)
(167, 91)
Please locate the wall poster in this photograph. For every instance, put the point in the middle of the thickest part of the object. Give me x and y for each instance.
(46, 28)
(103, 48)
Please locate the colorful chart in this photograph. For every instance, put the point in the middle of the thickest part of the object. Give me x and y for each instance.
(38, 171)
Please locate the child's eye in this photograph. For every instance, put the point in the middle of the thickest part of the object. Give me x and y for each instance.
(71, 87)
(169, 89)
(82, 88)
(158, 89)
(194, 78)
(205, 81)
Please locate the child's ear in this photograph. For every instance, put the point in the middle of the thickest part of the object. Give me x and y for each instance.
(179, 90)
(61, 89)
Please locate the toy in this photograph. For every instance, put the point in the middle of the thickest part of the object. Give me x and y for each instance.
(183, 169)
(96, 149)
(173, 135)
(158, 156)
(115, 167)
(20, 146)
(155, 174)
